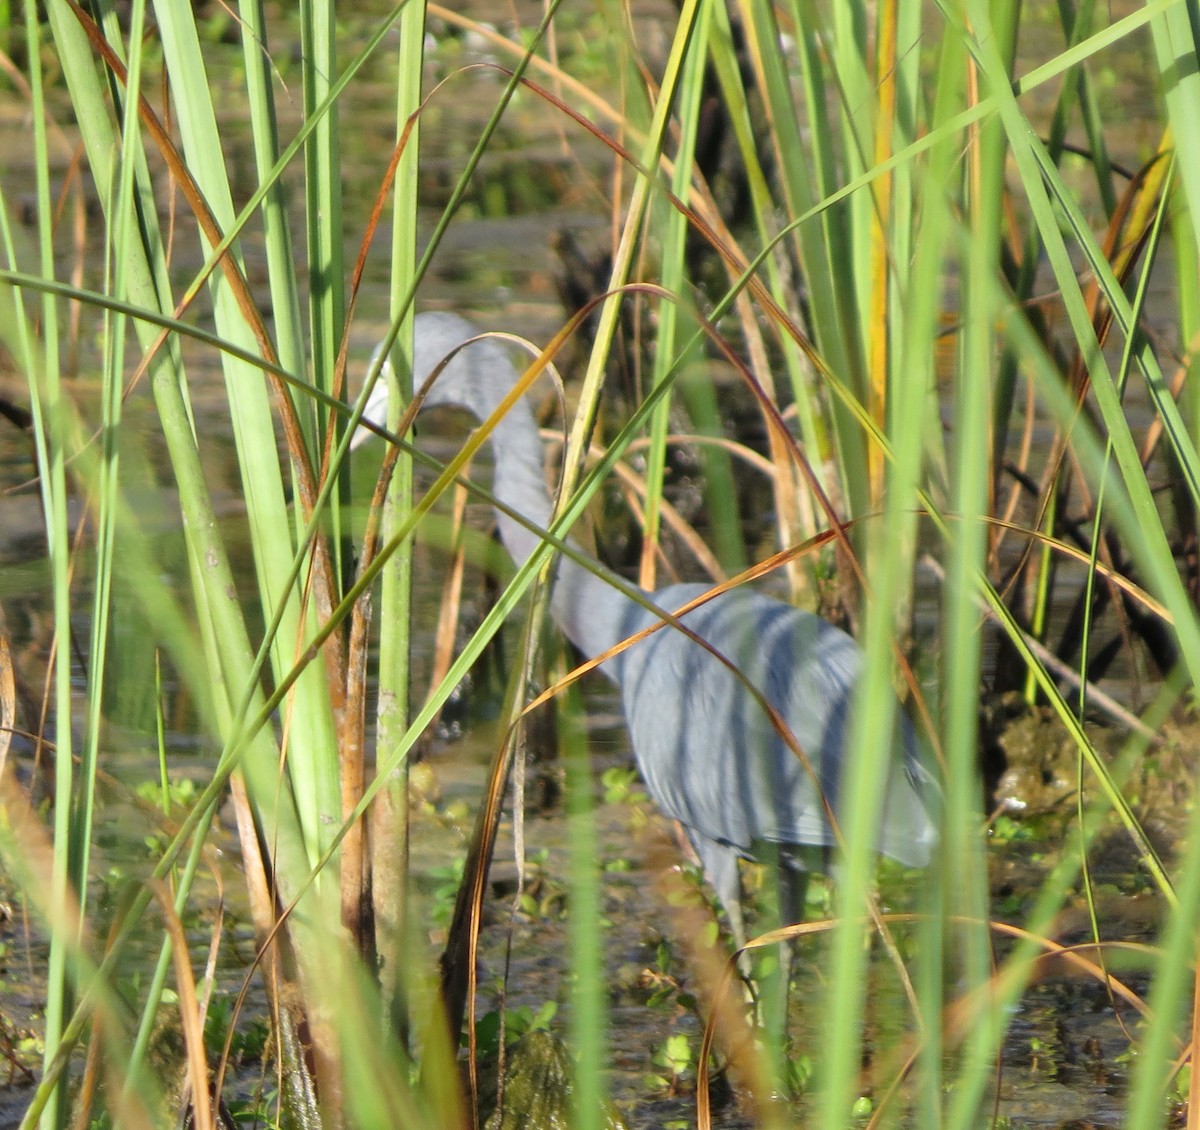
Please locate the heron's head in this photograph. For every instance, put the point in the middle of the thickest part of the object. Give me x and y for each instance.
(474, 376)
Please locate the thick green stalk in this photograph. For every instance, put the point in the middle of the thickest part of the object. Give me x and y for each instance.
(282, 276)
(323, 190)
(325, 232)
(123, 222)
(589, 1014)
(813, 164)
(100, 477)
(971, 470)
(1176, 34)
(390, 840)
(912, 316)
(674, 263)
(312, 739)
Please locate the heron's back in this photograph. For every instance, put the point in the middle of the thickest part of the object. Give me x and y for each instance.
(708, 749)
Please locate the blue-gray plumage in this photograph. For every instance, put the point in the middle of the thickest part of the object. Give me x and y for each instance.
(709, 754)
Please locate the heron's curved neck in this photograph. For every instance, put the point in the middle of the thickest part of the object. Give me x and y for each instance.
(589, 611)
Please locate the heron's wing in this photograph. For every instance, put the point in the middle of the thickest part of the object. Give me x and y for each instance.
(708, 749)
(714, 757)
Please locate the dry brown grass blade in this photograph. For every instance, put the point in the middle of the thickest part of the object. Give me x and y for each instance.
(451, 602)
(190, 1019)
(1134, 591)
(378, 207)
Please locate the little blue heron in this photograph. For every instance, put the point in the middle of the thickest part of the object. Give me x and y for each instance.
(708, 752)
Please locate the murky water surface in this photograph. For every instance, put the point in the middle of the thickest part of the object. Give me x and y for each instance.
(1063, 1061)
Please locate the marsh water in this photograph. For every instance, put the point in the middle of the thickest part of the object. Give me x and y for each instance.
(1065, 1050)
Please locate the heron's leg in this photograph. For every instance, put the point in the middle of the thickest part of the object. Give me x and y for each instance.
(793, 893)
(720, 864)
(790, 890)
(771, 988)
